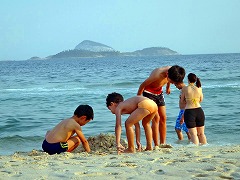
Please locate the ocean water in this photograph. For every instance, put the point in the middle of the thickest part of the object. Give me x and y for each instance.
(36, 95)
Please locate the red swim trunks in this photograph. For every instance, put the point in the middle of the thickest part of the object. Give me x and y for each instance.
(155, 91)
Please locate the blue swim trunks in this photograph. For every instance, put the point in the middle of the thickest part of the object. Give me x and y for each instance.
(183, 125)
(54, 148)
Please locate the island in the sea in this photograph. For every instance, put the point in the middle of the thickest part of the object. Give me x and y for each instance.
(89, 48)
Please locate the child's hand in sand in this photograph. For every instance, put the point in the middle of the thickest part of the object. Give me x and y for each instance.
(120, 148)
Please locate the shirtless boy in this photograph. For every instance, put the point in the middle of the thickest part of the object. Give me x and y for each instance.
(152, 88)
(62, 139)
(180, 124)
(139, 108)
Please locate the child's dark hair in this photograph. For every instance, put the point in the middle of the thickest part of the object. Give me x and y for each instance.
(84, 110)
(192, 78)
(176, 73)
(113, 97)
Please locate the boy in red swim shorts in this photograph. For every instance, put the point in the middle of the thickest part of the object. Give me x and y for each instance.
(152, 88)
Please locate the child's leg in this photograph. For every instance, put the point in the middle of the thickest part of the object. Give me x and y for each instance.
(188, 135)
(148, 130)
(180, 125)
(184, 128)
(201, 135)
(179, 134)
(162, 124)
(155, 129)
(134, 118)
(138, 134)
(194, 137)
(73, 143)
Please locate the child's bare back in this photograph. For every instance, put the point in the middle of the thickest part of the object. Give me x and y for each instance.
(67, 135)
(62, 131)
(131, 104)
(140, 108)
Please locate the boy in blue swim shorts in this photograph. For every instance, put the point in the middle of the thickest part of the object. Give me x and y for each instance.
(67, 135)
(180, 124)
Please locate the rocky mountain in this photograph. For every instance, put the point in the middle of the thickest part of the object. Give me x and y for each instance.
(93, 46)
(94, 49)
(152, 51)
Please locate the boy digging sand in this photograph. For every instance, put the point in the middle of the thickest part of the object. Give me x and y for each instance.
(61, 138)
(139, 108)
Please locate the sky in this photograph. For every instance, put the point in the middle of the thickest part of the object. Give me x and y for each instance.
(47, 27)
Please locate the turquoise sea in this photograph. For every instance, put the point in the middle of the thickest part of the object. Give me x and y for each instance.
(35, 95)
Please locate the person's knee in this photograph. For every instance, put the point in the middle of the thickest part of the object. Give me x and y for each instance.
(163, 118)
(162, 122)
(178, 130)
(155, 120)
(200, 134)
(128, 124)
(77, 141)
(145, 123)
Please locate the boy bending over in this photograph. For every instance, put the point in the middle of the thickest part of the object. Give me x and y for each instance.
(62, 139)
(152, 88)
(139, 108)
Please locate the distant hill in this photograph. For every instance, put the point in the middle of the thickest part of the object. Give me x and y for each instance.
(93, 46)
(152, 51)
(84, 53)
(35, 58)
(94, 49)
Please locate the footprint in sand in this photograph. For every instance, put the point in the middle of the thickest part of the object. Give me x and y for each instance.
(159, 172)
(202, 175)
(133, 165)
(211, 169)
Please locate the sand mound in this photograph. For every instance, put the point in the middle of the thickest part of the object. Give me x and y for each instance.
(102, 143)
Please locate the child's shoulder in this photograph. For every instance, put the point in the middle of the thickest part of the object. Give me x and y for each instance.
(160, 70)
(184, 88)
(163, 68)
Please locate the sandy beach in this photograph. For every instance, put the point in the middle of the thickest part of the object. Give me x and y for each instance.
(183, 162)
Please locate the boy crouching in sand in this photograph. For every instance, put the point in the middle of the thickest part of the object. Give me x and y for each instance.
(139, 108)
(62, 139)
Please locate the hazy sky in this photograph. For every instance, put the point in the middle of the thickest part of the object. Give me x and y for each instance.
(46, 27)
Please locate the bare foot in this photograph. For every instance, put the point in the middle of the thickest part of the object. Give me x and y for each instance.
(120, 149)
(139, 147)
(128, 150)
(148, 149)
(165, 146)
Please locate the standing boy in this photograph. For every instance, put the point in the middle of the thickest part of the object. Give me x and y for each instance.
(139, 108)
(62, 139)
(152, 88)
(180, 124)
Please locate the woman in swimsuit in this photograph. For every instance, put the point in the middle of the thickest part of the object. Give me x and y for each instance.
(194, 116)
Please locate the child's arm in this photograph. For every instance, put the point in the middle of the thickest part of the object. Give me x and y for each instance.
(182, 100)
(168, 90)
(118, 129)
(201, 95)
(138, 134)
(142, 86)
(182, 119)
(153, 77)
(83, 140)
